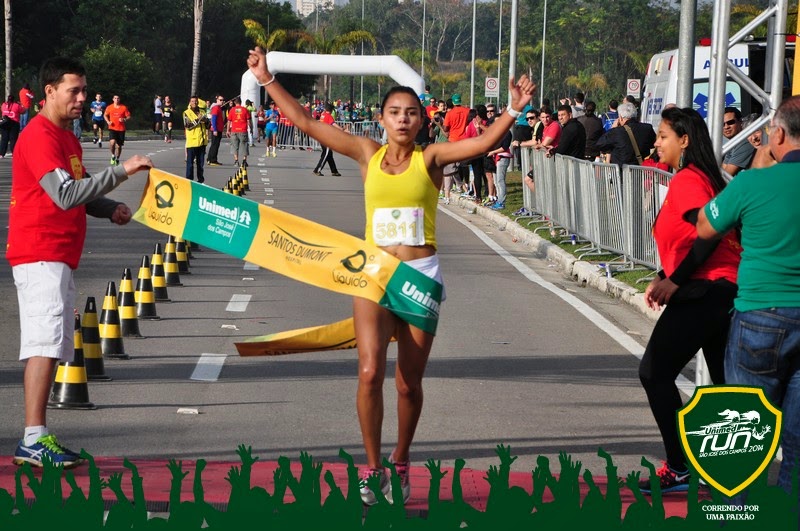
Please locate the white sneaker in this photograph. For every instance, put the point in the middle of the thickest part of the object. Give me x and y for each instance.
(367, 496)
(403, 470)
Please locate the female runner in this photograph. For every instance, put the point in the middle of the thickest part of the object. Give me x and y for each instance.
(397, 176)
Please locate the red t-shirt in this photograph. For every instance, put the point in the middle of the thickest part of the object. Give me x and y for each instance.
(238, 117)
(25, 98)
(690, 189)
(326, 118)
(38, 229)
(114, 116)
(553, 131)
(456, 120)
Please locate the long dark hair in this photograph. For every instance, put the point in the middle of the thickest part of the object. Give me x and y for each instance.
(700, 151)
(401, 90)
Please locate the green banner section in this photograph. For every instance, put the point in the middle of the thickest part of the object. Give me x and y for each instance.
(289, 245)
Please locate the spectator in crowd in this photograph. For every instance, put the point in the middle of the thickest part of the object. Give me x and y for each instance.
(551, 135)
(475, 128)
(740, 156)
(578, 108)
(455, 124)
(628, 141)
(116, 116)
(697, 284)
(573, 136)
(327, 153)
(489, 165)
(521, 132)
(216, 128)
(412, 195)
(238, 126)
(51, 193)
(261, 123)
(98, 110)
(9, 125)
(764, 345)
(251, 131)
(26, 101)
(502, 159)
(610, 116)
(593, 126)
(195, 123)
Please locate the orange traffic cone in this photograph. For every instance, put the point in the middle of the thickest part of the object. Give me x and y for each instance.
(126, 300)
(171, 272)
(92, 354)
(145, 298)
(157, 276)
(110, 337)
(71, 389)
(180, 254)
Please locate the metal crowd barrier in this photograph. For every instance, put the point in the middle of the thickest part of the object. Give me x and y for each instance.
(291, 137)
(596, 205)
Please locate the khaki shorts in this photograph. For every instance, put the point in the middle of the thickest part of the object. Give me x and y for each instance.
(239, 145)
(46, 294)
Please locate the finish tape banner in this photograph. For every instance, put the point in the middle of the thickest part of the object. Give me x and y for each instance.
(289, 245)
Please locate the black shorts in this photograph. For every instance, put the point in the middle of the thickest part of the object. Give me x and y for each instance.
(99, 124)
(118, 136)
(157, 118)
(489, 165)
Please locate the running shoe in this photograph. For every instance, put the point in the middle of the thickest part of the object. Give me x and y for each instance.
(274, 154)
(214, 163)
(94, 141)
(336, 174)
(113, 161)
(403, 469)
(100, 144)
(367, 496)
(498, 206)
(670, 480)
(46, 445)
(521, 212)
(317, 173)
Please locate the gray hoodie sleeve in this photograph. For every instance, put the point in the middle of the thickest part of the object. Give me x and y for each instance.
(67, 192)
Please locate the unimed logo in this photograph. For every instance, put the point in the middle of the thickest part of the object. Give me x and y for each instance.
(730, 434)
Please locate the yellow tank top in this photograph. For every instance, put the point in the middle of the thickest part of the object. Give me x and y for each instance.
(395, 203)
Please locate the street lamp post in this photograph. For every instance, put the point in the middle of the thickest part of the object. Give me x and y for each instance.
(544, 34)
(499, 48)
(472, 67)
(422, 57)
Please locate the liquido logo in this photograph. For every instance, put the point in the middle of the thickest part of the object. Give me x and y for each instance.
(730, 434)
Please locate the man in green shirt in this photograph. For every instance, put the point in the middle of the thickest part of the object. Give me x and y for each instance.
(764, 340)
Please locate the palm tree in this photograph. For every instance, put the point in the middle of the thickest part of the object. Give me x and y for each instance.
(7, 5)
(587, 81)
(312, 42)
(198, 33)
(448, 82)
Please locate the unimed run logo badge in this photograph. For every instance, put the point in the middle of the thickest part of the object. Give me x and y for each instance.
(730, 434)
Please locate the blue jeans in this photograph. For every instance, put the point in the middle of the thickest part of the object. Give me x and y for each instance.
(764, 350)
(500, 178)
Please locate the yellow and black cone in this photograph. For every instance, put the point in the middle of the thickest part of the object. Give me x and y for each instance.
(92, 354)
(126, 304)
(110, 335)
(71, 388)
(245, 181)
(183, 258)
(145, 298)
(157, 276)
(171, 272)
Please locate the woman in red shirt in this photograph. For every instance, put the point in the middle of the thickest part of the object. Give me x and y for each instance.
(9, 127)
(697, 284)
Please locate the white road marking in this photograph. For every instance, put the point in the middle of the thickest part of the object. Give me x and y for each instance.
(238, 303)
(248, 266)
(584, 309)
(208, 367)
(269, 201)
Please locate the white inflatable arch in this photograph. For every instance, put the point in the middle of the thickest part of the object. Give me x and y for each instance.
(340, 65)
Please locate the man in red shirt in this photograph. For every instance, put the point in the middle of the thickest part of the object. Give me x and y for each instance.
(116, 115)
(238, 127)
(26, 101)
(51, 193)
(217, 128)
(455, 121)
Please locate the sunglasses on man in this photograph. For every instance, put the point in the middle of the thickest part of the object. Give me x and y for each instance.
(730, 122)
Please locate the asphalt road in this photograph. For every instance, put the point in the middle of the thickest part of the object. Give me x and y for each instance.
(513, 362)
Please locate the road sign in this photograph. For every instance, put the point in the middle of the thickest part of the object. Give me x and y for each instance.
(492, 87)
(634, 87)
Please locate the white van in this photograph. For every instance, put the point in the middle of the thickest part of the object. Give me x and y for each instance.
(661, 82)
